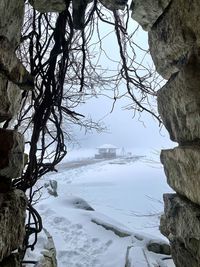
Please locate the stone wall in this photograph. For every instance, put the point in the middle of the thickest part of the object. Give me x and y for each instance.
(174, 35)
(14, 78)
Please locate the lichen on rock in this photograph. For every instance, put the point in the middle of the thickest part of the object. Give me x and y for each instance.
(12, 220)
(180, 224)
(174, 35)
(10, 96)
(11, 19)
(11, 153)
(114, 4)
(147, 12)
(179, 102)
(182, 168)
(48, 5)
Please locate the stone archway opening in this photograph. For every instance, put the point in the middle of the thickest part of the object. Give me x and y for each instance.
(173, 27)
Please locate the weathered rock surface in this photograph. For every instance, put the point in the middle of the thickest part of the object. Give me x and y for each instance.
(11, 153)
(114, 4)
(11, 19)
(174, 35)
(10, 95)
(179, 103)
(181, 225)
(11, 68)
(12, 73)
(159, 247)
(174, 41)
(48, 5)
(147, 12)
(49, 254)
(12, 220)
(182, 168)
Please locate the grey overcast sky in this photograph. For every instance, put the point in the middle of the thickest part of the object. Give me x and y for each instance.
(139, 134)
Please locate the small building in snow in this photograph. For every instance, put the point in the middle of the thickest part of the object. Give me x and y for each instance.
(106, 151)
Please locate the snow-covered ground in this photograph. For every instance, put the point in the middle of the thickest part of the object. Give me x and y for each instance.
(127, 203)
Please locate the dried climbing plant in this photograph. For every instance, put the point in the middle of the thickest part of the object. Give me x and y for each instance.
(64, 53)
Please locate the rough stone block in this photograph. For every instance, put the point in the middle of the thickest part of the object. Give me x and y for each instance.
(12, 221)
(147, 12)
(173, 36)
(11, 153)
(11, 67)
(10, 95)
(48, 5)
(49, 253)
(182, 168)
(179, 103)
(114, 4)
(159, 247)
(181, 225)
(11, 19)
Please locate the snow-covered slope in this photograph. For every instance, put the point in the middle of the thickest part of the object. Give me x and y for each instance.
(127, 202)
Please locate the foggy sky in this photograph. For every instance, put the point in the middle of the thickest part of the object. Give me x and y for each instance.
(123, 130)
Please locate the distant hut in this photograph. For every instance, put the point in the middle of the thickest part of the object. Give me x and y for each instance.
(106, 151)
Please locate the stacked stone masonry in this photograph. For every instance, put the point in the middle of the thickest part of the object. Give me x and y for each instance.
(12, 219)
(11, 153)
(179, 213)
(174, 41)
(14, 78)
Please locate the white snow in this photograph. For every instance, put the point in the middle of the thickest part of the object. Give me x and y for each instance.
(127, 203)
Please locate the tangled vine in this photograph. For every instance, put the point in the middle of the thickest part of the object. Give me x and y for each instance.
(63, 52)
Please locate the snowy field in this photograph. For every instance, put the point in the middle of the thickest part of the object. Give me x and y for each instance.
(127, 203)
